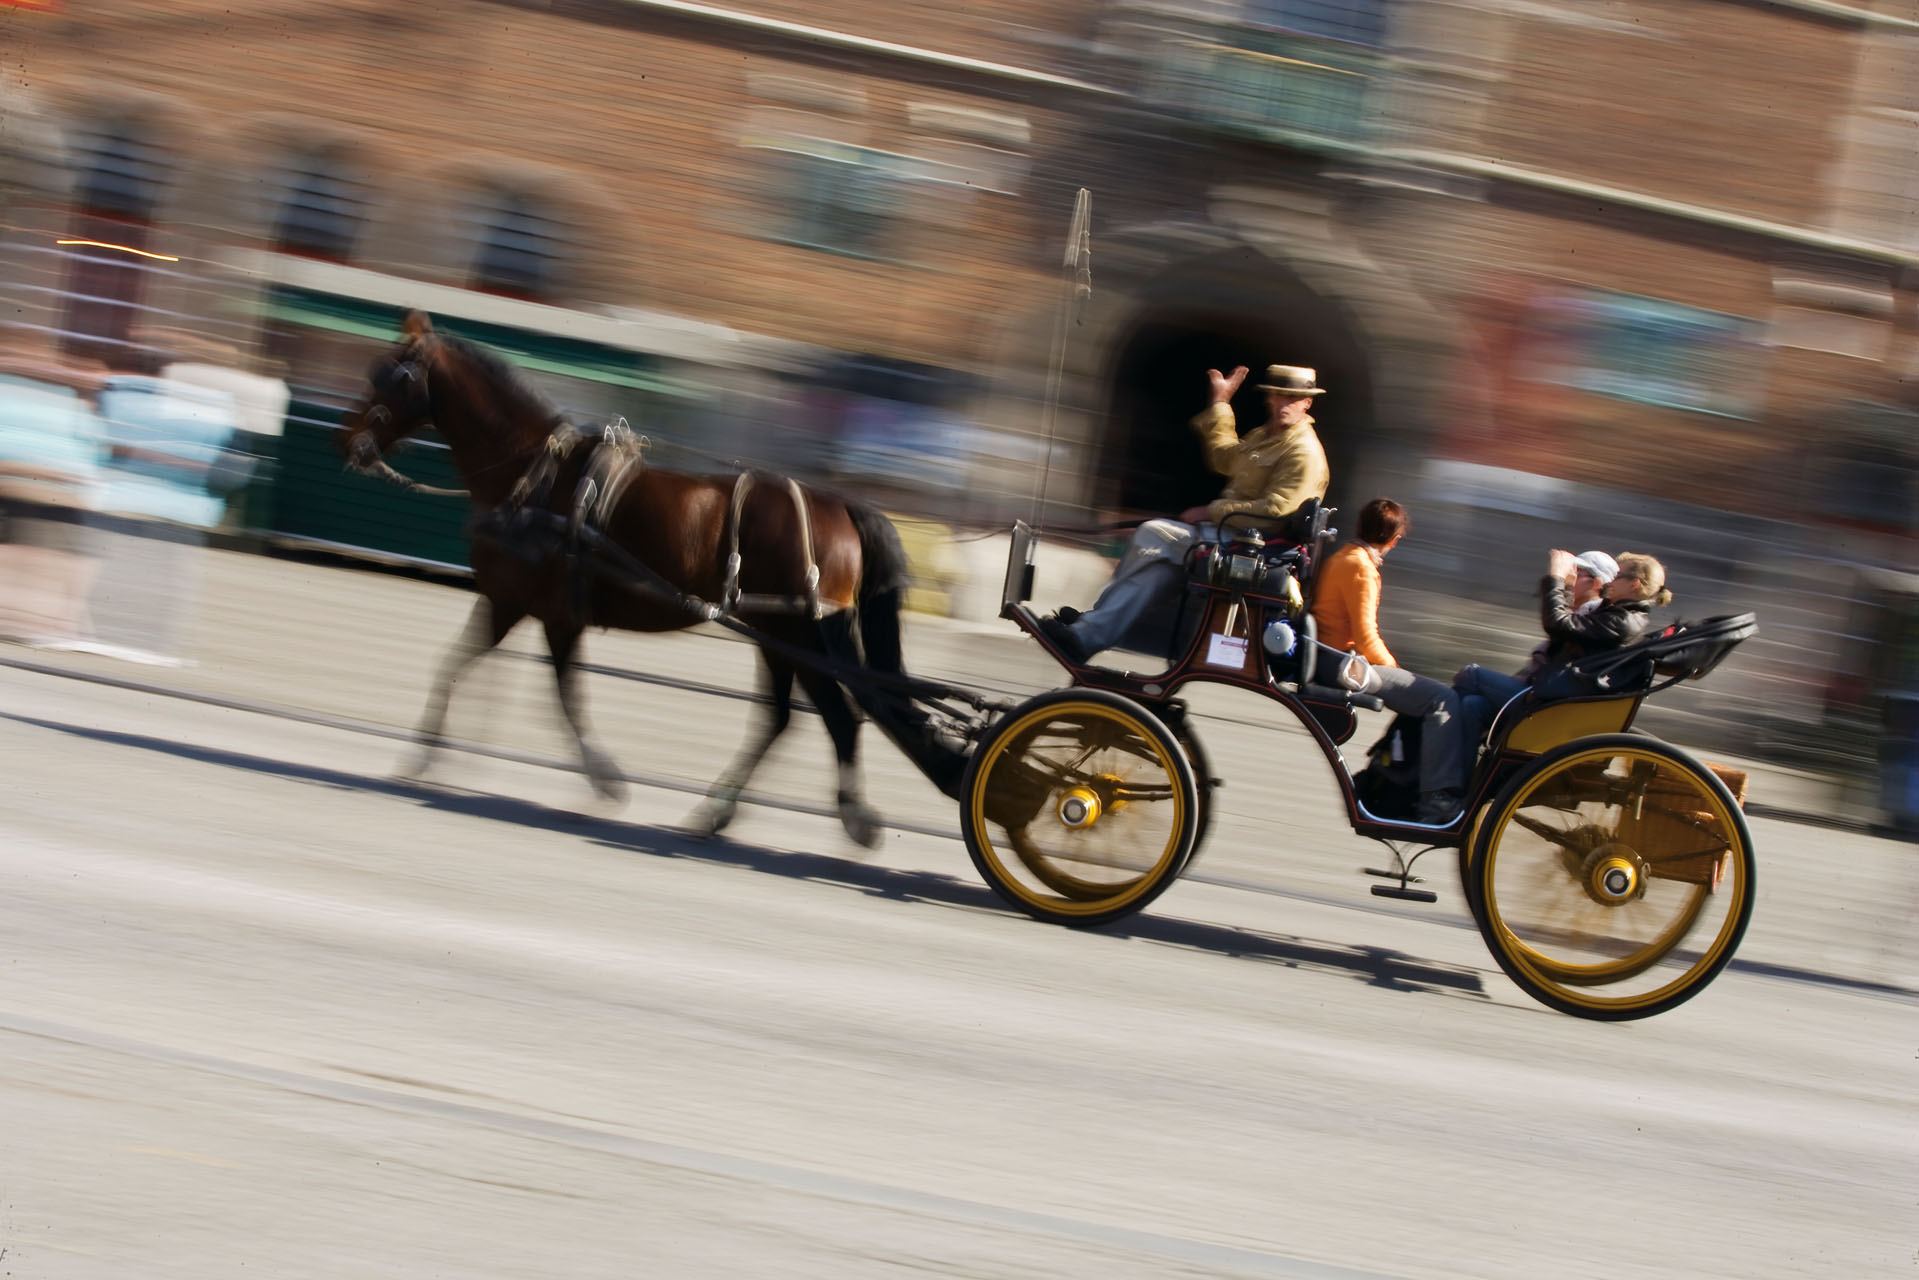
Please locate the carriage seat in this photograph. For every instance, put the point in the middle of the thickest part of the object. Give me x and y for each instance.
(1681, 651)
(1616, 681)
(1274, 567)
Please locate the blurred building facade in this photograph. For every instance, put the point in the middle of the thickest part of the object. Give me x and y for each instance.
(1639, 274)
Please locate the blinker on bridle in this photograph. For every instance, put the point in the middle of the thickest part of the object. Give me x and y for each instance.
(363, 451)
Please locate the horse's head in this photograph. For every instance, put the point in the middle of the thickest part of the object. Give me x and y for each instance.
(397, 403)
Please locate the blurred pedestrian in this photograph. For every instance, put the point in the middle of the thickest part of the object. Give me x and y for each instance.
(1271, 473)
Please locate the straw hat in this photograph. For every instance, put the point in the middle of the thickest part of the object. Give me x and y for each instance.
(1292, 380)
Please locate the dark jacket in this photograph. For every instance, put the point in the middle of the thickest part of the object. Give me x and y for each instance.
(1572, 635)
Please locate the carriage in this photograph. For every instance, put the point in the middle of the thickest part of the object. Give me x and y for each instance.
(1610, 873)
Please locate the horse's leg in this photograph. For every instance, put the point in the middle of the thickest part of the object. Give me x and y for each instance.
(485, 627)
(561, 640)
(843, 726)
(717, 810)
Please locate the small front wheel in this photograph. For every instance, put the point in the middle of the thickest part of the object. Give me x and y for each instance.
(1612, 877)
(1079, 807)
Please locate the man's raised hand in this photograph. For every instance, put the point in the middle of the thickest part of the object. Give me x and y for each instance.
(1224, 385)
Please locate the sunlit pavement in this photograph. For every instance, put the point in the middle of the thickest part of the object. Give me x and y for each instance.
(271, 1011)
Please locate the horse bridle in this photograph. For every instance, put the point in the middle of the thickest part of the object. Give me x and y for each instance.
(363, 451)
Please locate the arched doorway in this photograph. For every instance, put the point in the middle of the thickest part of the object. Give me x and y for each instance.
(1236, 307)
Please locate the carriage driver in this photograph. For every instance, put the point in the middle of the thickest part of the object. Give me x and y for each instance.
(1271, 472)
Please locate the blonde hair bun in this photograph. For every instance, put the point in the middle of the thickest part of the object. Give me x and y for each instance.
(1648, 575)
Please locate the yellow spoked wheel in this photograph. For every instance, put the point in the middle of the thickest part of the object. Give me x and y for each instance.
(1612, 877)
(1079, 807)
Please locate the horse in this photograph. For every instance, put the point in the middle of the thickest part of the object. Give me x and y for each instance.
(811, 573)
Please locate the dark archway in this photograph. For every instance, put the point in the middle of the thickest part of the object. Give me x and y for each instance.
(1237, 307)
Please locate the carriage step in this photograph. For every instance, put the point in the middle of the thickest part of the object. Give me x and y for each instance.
(1405, 895)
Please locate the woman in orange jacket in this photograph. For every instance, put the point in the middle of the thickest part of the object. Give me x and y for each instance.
(1346, 617)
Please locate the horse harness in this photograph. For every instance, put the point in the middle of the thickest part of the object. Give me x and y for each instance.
(616, 461)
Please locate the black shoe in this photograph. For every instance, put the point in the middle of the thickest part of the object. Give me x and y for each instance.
(1061, 634)
(1439, 807)
(1068, 614)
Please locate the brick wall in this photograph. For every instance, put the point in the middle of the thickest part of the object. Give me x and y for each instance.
(633, 135)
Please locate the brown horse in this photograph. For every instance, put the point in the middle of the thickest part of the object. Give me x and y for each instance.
(799, 580)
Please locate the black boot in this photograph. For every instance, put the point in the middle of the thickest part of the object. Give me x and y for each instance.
(1439, 807)
(1063, 638)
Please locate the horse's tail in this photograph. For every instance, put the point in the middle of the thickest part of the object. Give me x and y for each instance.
(884, 579)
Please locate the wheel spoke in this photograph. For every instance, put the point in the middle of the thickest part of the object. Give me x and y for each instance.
(1081, 808)
(1594, 867)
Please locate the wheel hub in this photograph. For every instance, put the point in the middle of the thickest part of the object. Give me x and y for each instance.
(1614, 874)
(1079, 807)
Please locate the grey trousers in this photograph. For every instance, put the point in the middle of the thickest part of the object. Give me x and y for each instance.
(1442, 737)
(1151, 570)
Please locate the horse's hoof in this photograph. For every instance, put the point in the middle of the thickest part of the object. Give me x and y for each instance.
(414, 767)
(612, 788)
(862, 824)
(605, 778)
(707, 821)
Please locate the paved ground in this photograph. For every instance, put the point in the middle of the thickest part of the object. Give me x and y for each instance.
(269, 1011)
(335, 640)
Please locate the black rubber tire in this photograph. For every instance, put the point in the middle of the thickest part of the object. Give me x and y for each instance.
(1203, 783)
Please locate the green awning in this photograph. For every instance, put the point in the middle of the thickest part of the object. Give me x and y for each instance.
(547, 353)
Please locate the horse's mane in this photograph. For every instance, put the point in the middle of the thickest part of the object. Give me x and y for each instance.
(506, 378)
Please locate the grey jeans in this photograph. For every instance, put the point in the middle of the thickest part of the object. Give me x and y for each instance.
(1442, 737)
(1151, 570)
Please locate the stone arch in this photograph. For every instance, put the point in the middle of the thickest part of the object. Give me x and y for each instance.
(1171, 299)
(1230, 306)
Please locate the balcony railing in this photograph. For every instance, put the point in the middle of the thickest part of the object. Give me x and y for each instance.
(1265, 83)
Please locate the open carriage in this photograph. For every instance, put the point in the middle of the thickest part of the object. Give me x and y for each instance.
(1611, 873)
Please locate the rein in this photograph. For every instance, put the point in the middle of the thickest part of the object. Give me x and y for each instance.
(363, 456)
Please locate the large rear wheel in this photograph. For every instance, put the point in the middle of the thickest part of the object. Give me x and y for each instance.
(1612, 877)
(1079, 807)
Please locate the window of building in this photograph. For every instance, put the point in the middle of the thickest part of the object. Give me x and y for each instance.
(321, 209)
(1296, 68)
(121, 173)
(1874, 182)
(842, 199)
(1647, 350)
(519, 248)
(1354, 21)
(812, 180)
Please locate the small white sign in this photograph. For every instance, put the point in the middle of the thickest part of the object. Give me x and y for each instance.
(1226, 651)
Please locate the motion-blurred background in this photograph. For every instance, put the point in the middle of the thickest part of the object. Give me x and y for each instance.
(1637, 276)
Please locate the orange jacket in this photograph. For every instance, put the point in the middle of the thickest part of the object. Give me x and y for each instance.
(1346, 603)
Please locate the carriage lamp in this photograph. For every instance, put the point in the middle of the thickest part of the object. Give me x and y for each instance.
(1239, 568)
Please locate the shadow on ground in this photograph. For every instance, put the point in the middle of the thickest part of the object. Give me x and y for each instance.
(1376, 966)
